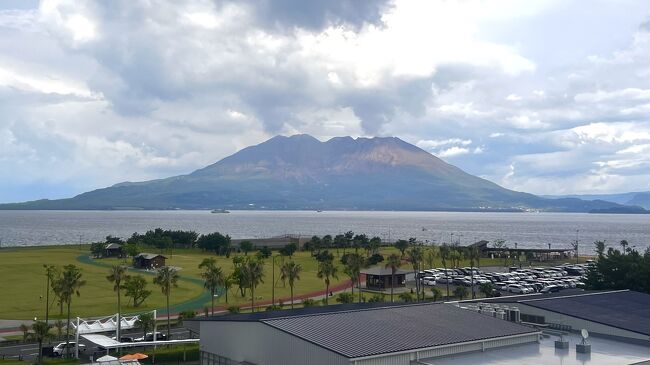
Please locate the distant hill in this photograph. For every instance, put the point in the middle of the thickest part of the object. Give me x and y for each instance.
(640, 199)
(301, 172)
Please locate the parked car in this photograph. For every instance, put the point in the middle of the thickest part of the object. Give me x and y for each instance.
(518, 289)
(60, 349)
(551, 289)
(149, 337)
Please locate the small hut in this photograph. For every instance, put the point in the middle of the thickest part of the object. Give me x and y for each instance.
(380, 278)
(149, 261)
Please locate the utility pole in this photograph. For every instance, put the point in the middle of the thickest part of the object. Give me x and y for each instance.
(577, 243)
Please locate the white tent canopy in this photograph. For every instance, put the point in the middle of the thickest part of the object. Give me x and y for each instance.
(107, 358)
(106, 324)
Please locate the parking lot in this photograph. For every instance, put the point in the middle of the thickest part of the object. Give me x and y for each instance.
(515, 281)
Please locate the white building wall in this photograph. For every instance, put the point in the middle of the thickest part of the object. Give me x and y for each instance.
(261, 344)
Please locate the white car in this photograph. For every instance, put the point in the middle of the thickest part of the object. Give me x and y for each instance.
(518, 289)
(60, 349)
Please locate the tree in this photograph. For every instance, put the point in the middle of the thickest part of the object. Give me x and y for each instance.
(374, 245)
(145, 322)
(132, 249)
(135, 287)
(188, 314)
(167, 278)
(215, 242)
(41, 332)
(290, 272)
(212, 277)
(353, 264)
(70, 284)
(345, 298)
(289, 249)
(117, 275)
(430, 255)
(444, 255)
(97, 249)
(246, 247)
(361, 241)
(254, 271)
(617, 270)
(25, 330)
(393, 262)
(460, 292)
(624, 245)
(402, 245)
(51, 274)
(486, 289)
(600, 248)
(415, 256)
(265, 252)
(436, 293)
(326, 271)
(58, 325)
(228, 282)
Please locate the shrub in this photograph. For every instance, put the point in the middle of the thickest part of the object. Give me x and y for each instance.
(376, 298)
(406, 297)
(233, 309)
(375, 259)
(309, 303)
(345, 298)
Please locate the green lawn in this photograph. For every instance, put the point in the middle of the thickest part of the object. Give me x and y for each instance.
(23, 281)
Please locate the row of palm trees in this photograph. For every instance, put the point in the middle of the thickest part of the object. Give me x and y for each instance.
(250, 272)
(67, 282)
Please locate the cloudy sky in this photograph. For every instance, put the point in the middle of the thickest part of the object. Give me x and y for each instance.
(547, 97)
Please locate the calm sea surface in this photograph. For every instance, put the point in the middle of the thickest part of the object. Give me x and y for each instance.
(33, 228)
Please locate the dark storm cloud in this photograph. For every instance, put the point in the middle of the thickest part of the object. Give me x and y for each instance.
(317, 14)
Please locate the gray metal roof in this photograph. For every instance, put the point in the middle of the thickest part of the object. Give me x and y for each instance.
(113, 246)
(628, 310)
(383, 271)
(367, 332)
(150, 256)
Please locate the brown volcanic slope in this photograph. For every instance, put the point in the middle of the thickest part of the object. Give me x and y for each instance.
(300, 172)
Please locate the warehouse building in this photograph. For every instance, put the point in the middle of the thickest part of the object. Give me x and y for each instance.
(622, 315)
(361, 334)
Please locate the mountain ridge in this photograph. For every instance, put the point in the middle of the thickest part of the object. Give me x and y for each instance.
(301, 172)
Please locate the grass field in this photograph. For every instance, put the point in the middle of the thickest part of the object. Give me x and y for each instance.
(23, 282)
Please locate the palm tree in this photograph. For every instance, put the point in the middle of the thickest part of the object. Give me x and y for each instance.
(415, 256)
(353, 267)
(167, 278)
(70, 284)
(117, 274)
(624, 244)
(254, 270)
(25, 330)
(58, 325)
(41, 333)
(393, 262)
(51, 273)
(444, 255)
(326, 271)
(290, 271)
(213, 277)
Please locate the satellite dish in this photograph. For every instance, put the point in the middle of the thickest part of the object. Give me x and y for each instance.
(584, 333)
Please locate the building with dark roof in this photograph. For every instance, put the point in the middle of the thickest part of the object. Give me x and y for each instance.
(362, 334)
(380, 278)
(619, 314)
(113, 250)
(149, 261)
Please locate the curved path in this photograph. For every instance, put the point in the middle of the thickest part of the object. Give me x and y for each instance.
(192, 304)
(198, 303)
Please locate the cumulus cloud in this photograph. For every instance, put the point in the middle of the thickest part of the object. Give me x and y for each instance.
(94, 93)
